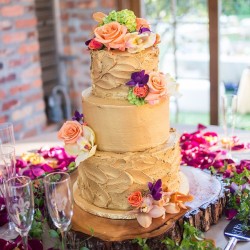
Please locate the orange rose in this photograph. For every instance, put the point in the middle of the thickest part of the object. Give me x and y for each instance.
(111, 35)
(70, 132)
(135, 199)
(141, 22)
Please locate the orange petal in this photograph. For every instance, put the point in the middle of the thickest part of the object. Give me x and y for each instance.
(98, 16)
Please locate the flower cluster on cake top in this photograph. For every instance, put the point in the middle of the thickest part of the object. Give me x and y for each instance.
(156, 203)
(122, 30)
(150, 87)
(79, 138)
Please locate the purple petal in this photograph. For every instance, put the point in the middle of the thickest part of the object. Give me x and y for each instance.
(87, 42)
(131, 83)
(37, 171)
(158, 184)
(29, 173)
(144, 80)
(142, 29)
(230, 213)
(47, 168)
(150, 185)
(135, 75)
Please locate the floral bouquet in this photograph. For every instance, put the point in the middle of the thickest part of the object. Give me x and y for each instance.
(150, 87)
(79, 139)
(122, 30)
(156, 203)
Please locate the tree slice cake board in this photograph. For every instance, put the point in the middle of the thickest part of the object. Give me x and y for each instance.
(205, 210)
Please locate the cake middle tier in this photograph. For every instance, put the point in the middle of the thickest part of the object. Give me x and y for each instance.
(122, 127)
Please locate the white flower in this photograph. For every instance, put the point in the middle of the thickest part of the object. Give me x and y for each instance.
(135, 42)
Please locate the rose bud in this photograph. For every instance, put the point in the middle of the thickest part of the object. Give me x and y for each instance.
(95, 44)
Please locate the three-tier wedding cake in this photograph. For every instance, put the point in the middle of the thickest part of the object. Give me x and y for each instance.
(128, 156)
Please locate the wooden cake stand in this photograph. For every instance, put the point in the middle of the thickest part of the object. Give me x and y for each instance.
(205, 210)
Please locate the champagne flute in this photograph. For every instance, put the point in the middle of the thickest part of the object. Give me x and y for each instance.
(58, 191)
(7, 170)
(20, 204)
(229, 111)
(7, 134)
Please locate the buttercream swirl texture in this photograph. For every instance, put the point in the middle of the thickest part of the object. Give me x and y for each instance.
(111, 69)
(107, 179)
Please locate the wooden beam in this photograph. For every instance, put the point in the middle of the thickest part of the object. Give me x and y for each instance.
(213, 12)
(134, 5)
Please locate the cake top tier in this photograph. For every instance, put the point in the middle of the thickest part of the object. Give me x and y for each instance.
(124, 60)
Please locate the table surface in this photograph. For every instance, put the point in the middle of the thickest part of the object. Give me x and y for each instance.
(216, 231)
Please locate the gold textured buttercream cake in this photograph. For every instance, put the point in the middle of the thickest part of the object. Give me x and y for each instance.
(127, 154)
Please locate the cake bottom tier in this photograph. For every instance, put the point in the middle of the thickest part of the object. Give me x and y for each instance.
(106, 179)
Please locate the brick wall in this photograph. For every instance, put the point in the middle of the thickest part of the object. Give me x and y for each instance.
(77, 27)
(21, 87)
(21, 94)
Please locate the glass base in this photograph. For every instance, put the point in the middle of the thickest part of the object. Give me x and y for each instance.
(8, 232)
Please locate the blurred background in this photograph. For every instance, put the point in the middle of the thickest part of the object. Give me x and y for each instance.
(44, 63)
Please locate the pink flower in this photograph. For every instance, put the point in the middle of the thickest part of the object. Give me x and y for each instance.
(157, 87)
(148, 210)
(95, 44)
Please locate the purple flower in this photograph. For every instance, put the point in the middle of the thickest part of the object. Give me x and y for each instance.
(143, 29)
(138, 78)
(78, 117)
(155, 189)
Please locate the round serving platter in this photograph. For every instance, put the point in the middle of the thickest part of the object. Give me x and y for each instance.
(206, 209)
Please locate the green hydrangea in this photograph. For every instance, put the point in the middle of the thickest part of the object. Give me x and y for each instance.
(125, 17)
(133, 99)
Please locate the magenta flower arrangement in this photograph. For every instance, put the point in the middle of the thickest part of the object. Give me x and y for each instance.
(43, 161)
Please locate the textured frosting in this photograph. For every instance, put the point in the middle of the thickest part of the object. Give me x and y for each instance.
(122, 127)
(110, 70)
(107, 179)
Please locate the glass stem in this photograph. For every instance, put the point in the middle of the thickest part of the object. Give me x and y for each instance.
(25, 241)
(64, 245)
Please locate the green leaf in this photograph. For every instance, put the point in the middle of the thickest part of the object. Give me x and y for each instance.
(84, 248)
(53, 233)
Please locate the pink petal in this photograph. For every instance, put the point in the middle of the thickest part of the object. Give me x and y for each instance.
(172, 208)
(144, 220)
(238, 146)
(157, 212)
(201, 127)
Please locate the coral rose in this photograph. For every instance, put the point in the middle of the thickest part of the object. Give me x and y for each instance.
(111, 35)
(135, 199)
(141, 22)
(70, 132)
(141, 91)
